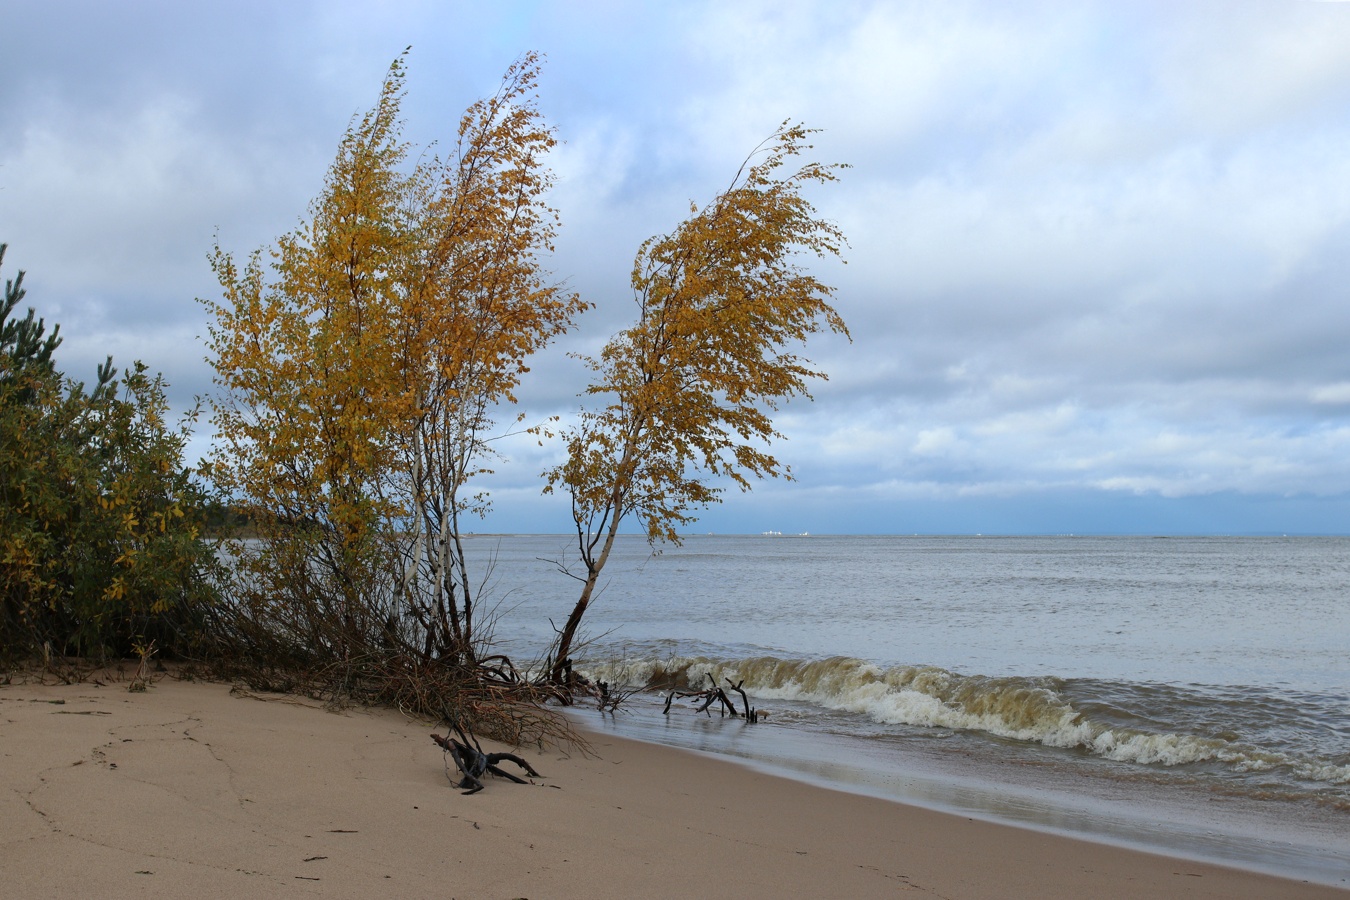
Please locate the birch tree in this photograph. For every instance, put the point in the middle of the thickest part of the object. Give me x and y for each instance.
(363, 366)
(689, 389)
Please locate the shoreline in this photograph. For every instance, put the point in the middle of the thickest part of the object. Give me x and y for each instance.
(188, 789)
(1180, 821)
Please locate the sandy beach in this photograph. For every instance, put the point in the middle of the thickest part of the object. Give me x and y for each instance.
(188, 789)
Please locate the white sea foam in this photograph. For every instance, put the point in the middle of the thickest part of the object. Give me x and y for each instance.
(1023, 709)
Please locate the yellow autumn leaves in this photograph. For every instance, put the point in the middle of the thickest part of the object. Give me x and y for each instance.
(688, 389)
(362, 367)
(364, 358)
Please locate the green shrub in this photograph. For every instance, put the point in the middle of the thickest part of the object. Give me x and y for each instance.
(102, 543)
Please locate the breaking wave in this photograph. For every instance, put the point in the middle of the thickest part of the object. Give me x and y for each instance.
(1035, 710)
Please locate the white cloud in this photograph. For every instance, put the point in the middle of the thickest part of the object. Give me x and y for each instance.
(934, 441)
(1236, 67)
(1332, 394)
(1097, 247)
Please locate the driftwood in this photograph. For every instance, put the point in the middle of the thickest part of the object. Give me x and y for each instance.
(607, 697)
(473, 763)
(715, 694)
(751, 714)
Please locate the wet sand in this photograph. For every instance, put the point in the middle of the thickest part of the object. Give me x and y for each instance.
(190, 790)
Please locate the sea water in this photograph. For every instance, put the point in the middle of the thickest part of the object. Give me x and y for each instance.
(1186, 695)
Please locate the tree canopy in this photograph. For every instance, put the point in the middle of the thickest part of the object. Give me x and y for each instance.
(362, 375)
(689, 388)
(366, 359)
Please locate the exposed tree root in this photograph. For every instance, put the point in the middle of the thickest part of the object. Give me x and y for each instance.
(715, 694)
(473, 763)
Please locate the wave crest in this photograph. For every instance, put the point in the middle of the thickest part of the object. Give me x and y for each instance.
(1018, 708)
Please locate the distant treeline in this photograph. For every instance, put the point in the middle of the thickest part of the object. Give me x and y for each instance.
(228, 520)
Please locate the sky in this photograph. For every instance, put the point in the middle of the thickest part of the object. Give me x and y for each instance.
(1096, 276)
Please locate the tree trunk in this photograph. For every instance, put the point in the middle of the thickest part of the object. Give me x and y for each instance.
(565, 638)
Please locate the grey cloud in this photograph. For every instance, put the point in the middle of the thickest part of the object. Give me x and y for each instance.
(1095, 251)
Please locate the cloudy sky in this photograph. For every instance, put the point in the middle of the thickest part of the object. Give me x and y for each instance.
(1097, 278)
